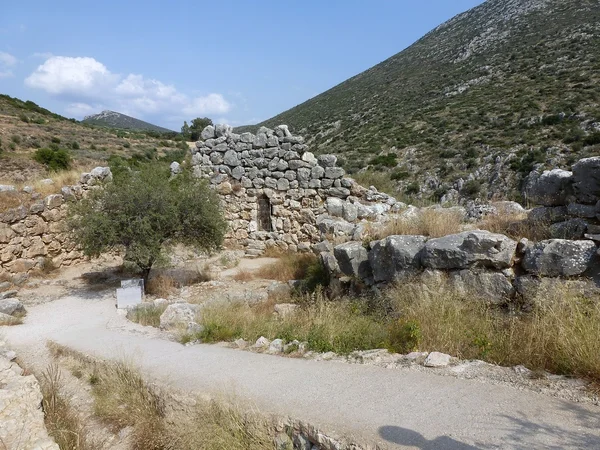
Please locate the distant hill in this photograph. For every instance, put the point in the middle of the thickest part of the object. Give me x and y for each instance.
(474, 105)
(114, 119)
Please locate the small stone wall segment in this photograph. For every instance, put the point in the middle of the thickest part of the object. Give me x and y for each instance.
(29, 236)
(308, 195)
(21, 416)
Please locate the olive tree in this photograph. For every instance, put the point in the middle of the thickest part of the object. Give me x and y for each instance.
(145, 211)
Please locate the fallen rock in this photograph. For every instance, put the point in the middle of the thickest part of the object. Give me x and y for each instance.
(394, 256)
(261, 342)
(492, 287)
(550, 188)
(469, 249)
(178, 316)
(11, 306)
(437, 359)
(586, 180)
(276, 346)
(353, 259)
(559, 257)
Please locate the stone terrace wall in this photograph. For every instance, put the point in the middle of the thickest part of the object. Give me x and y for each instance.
(30, 236)
(276, 193)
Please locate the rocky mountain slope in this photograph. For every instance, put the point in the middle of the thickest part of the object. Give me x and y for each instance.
(474, 105)
(114, 119)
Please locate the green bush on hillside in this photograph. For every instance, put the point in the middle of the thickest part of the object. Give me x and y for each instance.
(53, 159)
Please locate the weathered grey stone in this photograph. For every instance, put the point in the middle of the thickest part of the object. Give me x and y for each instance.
(437, 359)
(309, 158)
(547, 215)
(296, 164)
(334, 206)
(468, 249)
(282, 131)
(582, 211)
(317, 172)
(334, 172)
(222, 130)
(53, 201)
(492, 287)
(238, 172)
(208, 133)
(550, 188)
(231, 158)
(11, 306)
(283, 184)
(395, 256)
(327, 160)
(586, 180)
(175, 168)
(339, 192)
(353, 259)
(178, 316)
(350, 212)
(303, 174)
(102, 173)
(571, 229)
(260, 141)
(559, 257)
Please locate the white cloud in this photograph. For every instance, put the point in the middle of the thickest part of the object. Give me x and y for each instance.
(89, 85)
(7, 61)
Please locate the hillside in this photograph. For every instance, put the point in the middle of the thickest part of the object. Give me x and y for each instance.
(26, 127)
(473, 105)
(114, 119)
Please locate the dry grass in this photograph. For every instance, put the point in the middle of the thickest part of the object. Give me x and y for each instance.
(516, 226)
(62, 178)
(560, 335)
(291, 266)
(161, 285)
(6, 320)
(122, 398)
(244, 275)
(149, 315)
(427, 222)
(61, 418)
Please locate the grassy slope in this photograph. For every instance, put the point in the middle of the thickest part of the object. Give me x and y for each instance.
(518, 68)
(24, 127)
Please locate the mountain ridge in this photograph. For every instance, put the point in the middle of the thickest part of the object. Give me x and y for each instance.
(113, 119)
(509, 83)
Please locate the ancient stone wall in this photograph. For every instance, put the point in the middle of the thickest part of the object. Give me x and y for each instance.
(276, 193)
(34, 234)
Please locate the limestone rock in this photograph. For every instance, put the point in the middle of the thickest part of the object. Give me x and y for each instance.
(559, 257)
(586, 180)
(571, 229)
(11, 306)
(175, 168)
(492, 287)
(178, 316)
(208, 133)
(276, 346)
(469, 249)
(437, 359)
(551, 188)
(394, 256)
(353, 259)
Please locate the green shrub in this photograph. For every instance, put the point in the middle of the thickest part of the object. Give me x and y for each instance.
(75, 145)
(55, 140)
(24, 118)
(412, 189)
(53, 159)
(399, 174)
(388, 160)
(592, 139)
(471, 188)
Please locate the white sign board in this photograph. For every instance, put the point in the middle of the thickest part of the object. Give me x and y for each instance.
(129, 296)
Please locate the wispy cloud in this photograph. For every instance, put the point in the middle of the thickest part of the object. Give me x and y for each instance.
(7, 62)
(88, 86)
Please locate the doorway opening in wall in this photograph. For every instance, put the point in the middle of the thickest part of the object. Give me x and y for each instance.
(264, 214)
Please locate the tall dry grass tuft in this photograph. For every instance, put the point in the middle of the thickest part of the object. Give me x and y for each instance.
(432, 222)
(161, 285)
(148, 315)
(516, 226)
(61, 418)
(291, 266)
(123, 399)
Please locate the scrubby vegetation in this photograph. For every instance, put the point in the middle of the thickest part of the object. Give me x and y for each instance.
(123, 399)
(558, 334)
(144, 211)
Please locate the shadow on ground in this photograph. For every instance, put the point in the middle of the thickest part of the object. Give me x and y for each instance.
(410, 438)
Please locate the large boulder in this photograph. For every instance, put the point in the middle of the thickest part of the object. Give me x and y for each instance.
(548, 214)
(570, 229)
(550, 188)
(492, 287)
(179, 316)
(586, 180)
(353, 259)
(395, 256)
(469, 249)
(11, 307)
(559, 257)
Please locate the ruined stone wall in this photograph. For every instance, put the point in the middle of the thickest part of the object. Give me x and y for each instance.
(34, 234)
(276, 193)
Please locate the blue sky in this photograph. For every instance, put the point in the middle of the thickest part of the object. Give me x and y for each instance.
(236, 61)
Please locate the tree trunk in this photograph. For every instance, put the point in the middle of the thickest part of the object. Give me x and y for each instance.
(145, 276)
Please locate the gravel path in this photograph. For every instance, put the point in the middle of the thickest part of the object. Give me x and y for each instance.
(397, 408)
